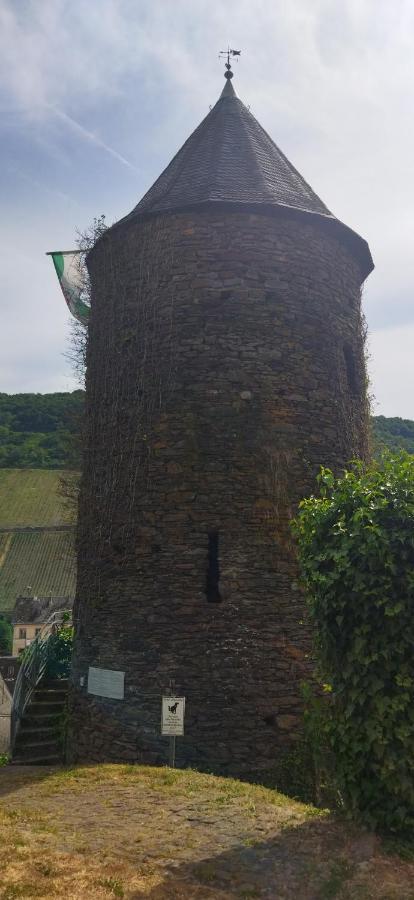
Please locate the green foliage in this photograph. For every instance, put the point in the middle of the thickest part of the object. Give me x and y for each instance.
(6, 637)
(113, 885)
(60, 652)
(392, 434)
(4, 759)
(293, 773)
(37, 430)
(356, 549)
(305, 772)
(321, 768)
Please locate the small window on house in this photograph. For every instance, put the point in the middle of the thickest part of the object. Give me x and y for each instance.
(213, 569)
(22, 649)
(22, 633)
(351, 369)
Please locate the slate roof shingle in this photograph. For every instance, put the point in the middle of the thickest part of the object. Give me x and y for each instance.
(230, 159)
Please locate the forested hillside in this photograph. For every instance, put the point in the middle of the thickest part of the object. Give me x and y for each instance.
(41, 431)
(393, 433)
(38, 431)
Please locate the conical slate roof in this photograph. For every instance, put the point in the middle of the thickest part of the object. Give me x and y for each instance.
(230, 159)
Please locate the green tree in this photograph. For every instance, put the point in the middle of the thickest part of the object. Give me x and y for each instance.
(6, 637)
(356, 551)
(60, 651)
(38, 430)
(392, 434)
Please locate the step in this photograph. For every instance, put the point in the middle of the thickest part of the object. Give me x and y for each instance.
(42, 760)
(43, 720)
(36, 748)
(43, 689)
(27, 732)
(36, 742)
(52, 688)
(49, 697)
(38, 707)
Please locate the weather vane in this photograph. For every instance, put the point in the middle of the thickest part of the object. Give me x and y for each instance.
(229, 53)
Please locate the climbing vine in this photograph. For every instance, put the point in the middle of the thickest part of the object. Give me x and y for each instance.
(356, 550)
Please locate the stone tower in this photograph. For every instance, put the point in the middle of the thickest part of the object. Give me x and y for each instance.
(225, 366)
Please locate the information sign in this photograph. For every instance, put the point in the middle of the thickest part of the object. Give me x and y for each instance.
(172, 715)
(106, 683)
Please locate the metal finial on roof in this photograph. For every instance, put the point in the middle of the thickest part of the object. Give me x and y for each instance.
(229, 74)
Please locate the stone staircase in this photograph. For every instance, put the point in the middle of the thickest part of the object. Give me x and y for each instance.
(39, 739)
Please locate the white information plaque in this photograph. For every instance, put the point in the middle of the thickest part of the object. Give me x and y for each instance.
(106, 683)
(172, 715)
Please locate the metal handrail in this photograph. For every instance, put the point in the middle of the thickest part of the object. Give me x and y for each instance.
(32, 669)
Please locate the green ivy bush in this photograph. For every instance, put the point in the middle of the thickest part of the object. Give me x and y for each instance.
(60, 652)
(356, 551)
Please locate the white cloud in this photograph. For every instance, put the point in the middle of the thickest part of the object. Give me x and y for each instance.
(89, 136)
(331, 82)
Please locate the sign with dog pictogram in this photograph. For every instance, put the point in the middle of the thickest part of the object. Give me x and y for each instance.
(172, 715)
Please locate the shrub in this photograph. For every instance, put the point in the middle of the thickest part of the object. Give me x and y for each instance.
(356, 550)
(60, 652)
(6, 636)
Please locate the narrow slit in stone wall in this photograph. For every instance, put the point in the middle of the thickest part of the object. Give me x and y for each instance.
(351, 369)
(213, 569)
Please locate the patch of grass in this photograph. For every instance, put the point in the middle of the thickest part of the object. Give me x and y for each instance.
(399, 847)
(205, 872)
(24, 889)
(113, 885)
(16, 841)
(90, 846)
(340, 872)
(44, 868)
(82, 848)
(25, 817)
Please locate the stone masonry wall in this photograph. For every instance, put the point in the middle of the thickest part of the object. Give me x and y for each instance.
(225, 365)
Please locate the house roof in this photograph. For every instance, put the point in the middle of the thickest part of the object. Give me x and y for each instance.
(230, 159)
(37, 610)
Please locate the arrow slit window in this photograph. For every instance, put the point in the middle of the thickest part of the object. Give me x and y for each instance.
(351, 369)
(213, 569)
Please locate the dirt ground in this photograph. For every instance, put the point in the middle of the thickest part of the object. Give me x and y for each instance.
(141, 832)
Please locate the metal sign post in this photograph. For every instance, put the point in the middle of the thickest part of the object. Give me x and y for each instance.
(172, 721)
(171, 755)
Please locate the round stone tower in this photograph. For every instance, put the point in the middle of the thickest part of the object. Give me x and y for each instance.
(225, 366)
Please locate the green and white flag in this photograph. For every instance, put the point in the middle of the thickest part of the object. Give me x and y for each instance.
(71, 276)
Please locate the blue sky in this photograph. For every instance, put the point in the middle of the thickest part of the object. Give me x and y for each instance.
(96, 97)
